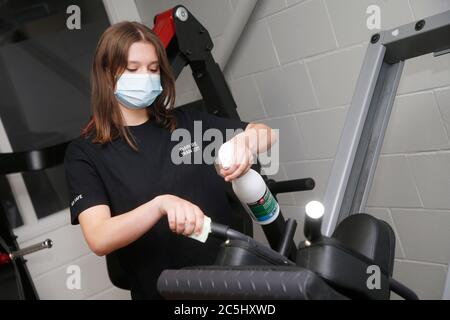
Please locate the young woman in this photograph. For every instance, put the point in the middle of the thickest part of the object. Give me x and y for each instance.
(128, 195)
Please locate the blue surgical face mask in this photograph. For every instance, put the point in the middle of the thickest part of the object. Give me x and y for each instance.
(138, 90)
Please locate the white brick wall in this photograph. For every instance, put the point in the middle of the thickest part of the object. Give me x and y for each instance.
(412, 181)
(295, 69)
(48, 268)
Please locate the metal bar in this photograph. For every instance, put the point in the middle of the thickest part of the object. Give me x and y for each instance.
(348, 144)
(441, 53)
(47, 244)
(295, 185)
(359, 148)
(214, 88)
(383, 109)
(366, 158)
(275, 232)
(287, 240)
(418, 38)
(33, 160)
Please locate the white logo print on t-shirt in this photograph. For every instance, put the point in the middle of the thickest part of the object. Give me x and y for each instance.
(78, 197)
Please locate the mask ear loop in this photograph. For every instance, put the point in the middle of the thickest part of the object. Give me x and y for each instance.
(115, 79)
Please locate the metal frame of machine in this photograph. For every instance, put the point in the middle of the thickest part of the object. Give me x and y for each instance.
(362, 137)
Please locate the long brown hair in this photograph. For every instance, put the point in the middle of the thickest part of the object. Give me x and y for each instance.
(110, 61)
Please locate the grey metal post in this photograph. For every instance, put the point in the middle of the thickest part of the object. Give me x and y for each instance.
(367, 154)
(367, 118)
(351, 133)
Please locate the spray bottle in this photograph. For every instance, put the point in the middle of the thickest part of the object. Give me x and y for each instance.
(250, 189)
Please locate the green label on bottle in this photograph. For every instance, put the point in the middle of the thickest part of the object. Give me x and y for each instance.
(265, 208)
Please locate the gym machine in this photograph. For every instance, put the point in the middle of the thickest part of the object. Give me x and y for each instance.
(15, 279)
(335, 261)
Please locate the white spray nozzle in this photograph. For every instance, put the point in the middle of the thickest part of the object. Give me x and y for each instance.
(225, 155)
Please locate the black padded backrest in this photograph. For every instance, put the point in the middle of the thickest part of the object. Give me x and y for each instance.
(370, 237)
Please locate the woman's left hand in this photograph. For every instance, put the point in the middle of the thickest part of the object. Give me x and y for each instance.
(242, 159)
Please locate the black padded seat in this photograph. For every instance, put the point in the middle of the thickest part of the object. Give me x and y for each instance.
(370, 237)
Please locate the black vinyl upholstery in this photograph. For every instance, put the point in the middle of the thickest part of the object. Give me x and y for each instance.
(245, 283)
(370, 237)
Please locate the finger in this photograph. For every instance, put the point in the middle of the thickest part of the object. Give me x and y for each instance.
(190, 221)
(199, 219)
(246, 169)
(234, 168)
(181, 218)
(231, 169)
(226, 170)
(242, 159)
(172, 218)
(238, 172)
(222, 167)
(236, 160)
(249, 163)
(252, 157)
(242, 163)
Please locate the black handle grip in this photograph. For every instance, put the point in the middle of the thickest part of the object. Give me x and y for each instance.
(402, 290)
(291, 185)
(25, 161)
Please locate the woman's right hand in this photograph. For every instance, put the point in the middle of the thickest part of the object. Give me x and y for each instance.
(184, 217)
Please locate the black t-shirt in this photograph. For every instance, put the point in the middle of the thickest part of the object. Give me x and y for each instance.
(116, 175)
